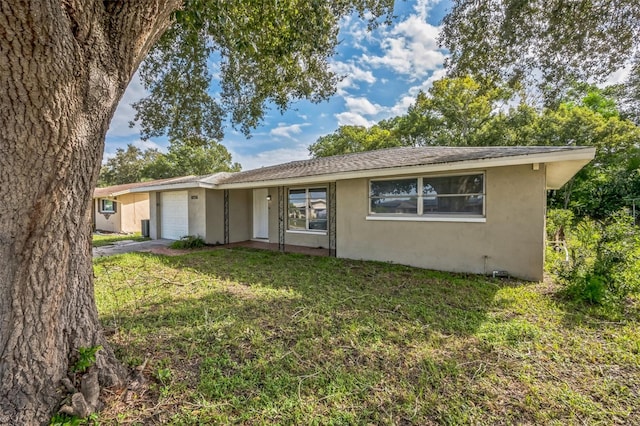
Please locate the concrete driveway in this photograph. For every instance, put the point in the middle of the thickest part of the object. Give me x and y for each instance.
(127, 246)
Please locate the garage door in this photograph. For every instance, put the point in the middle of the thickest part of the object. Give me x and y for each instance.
(175, 215)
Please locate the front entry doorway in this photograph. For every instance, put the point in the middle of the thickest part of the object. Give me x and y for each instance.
(260, 214)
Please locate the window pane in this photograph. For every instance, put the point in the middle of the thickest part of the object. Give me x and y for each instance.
(397, 205)
(297, 217)
(317, 193)
(398, 187)
(311, 203)
(107, 206)
(463, 204)
(441, 185)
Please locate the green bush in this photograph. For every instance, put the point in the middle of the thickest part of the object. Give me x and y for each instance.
(188, 242)
(604, 260)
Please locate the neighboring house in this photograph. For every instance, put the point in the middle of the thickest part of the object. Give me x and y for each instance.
(473, 210)
(118, 209)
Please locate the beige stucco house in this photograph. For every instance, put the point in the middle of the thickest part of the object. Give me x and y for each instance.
(475, 210)
(118, 209)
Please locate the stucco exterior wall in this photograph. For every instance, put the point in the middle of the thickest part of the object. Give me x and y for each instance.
(215, 217)
(240, 214)
(297, 238)
(197, 211)
(109, 222)
(511, 239)
(135, 208)
(154, 215)
(131, 209)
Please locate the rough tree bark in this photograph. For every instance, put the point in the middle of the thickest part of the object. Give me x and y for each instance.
(64, 65)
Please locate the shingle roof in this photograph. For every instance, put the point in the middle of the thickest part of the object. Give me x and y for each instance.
(376, 162)
(385, 158)
(108, 191)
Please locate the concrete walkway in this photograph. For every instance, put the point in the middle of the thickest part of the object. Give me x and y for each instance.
(127, 246)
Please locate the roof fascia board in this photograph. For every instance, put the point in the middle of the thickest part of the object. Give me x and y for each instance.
(113, 194)
(585, 154)
(174, 186)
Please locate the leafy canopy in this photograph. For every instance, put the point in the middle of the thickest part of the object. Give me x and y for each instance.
(271, 52)
(554, 42)
(462, 112)
(191, 157)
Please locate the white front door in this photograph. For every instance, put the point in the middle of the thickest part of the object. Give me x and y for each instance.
(260, 213)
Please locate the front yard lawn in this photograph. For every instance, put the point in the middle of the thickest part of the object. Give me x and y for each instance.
(100, 240)
(257, 337)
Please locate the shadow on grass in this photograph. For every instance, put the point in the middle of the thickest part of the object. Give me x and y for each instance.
(289, 335)
(276, 290)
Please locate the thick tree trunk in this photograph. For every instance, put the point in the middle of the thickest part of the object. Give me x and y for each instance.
(64, 66)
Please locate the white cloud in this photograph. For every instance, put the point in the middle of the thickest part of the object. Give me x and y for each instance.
(148, 144)
(406, 100)
(288, 131)
(119, 125)
(618, 76)
(349, 118)
(402, 105)
(269, 158)
(411, 47)
(351, 74)
(425, 85)
(362, 106)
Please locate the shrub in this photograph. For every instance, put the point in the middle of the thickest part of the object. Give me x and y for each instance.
(604, 260)
(188, 242)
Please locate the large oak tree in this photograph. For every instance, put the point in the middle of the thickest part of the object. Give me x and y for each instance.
(64, 66)
(551, 43)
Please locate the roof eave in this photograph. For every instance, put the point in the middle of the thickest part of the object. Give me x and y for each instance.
(574, 159)
(175, 186)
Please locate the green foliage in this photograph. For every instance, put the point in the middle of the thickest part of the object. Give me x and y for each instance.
(551, 43)
(349, 139)
(272, 53)
(193, 156)
(463, 112)
(604, 261)
(86, 358)
(455, 113)
(188, 242)
(559, 222)
(127, 166)
(60, 419)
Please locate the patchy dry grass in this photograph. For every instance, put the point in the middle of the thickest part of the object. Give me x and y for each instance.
(256, 337)
(100, 240)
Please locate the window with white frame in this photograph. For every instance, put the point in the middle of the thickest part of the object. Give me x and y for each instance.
(307, 209)
(441, 195)
(107, 206)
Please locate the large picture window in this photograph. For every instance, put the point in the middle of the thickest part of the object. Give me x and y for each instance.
(307, 209)
(107, 206)
(456, 195)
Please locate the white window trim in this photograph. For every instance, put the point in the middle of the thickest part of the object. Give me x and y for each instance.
(414, 218)
(420, 216)
(308, 231)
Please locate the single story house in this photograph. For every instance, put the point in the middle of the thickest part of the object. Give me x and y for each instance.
(460, 209)
(118, 209)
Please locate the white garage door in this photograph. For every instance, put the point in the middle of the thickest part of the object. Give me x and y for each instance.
(175, 215)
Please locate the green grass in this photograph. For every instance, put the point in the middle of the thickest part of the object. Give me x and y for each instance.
(257, 337)
(100, 240)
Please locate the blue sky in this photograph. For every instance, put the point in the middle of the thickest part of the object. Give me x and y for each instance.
(384, 71)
